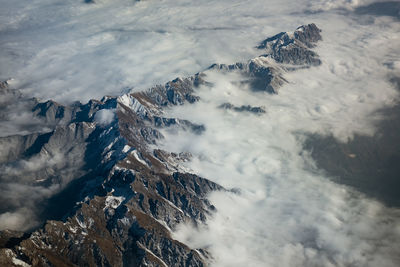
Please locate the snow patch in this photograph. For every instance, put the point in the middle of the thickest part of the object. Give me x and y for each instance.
(138, 158)
(113, 202)
(9, 252)
(90, 222)
(163, 223)
(150, 252)
(20, 262)
(133, 104)
(126, 149)
(173, 205)
(81, 224)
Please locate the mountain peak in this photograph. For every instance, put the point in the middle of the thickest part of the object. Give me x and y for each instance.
(294, 47)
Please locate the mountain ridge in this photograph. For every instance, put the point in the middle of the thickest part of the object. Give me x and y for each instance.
(116, 199)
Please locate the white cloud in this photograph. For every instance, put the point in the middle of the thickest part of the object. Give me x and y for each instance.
(104, 116)
(288, 212)
(22, 203)
(68, 50)
(20, 219)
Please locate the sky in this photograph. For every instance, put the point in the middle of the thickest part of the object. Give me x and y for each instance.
(284, 211)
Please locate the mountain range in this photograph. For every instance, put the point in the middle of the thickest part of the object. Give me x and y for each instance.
(99, 190)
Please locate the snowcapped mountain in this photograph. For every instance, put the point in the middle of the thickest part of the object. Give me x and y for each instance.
(282, 153)
(114, 197)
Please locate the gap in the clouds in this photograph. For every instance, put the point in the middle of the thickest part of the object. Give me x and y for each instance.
(389, 8)
(369, 164)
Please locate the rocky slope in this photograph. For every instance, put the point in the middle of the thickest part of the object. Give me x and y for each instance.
(115, 197)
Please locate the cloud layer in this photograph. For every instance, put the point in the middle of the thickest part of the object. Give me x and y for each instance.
(287, 212)
(69, 50)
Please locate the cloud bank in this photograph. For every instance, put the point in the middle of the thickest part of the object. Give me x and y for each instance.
(70, 50)
(288, 213)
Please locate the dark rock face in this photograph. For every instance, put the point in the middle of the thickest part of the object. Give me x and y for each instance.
(283, 52)
(128, 196)
(115, 199)
(3, 84)
(294, 48)
(308, 34)
(259, 74)
(175, 92)
(243, 108)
